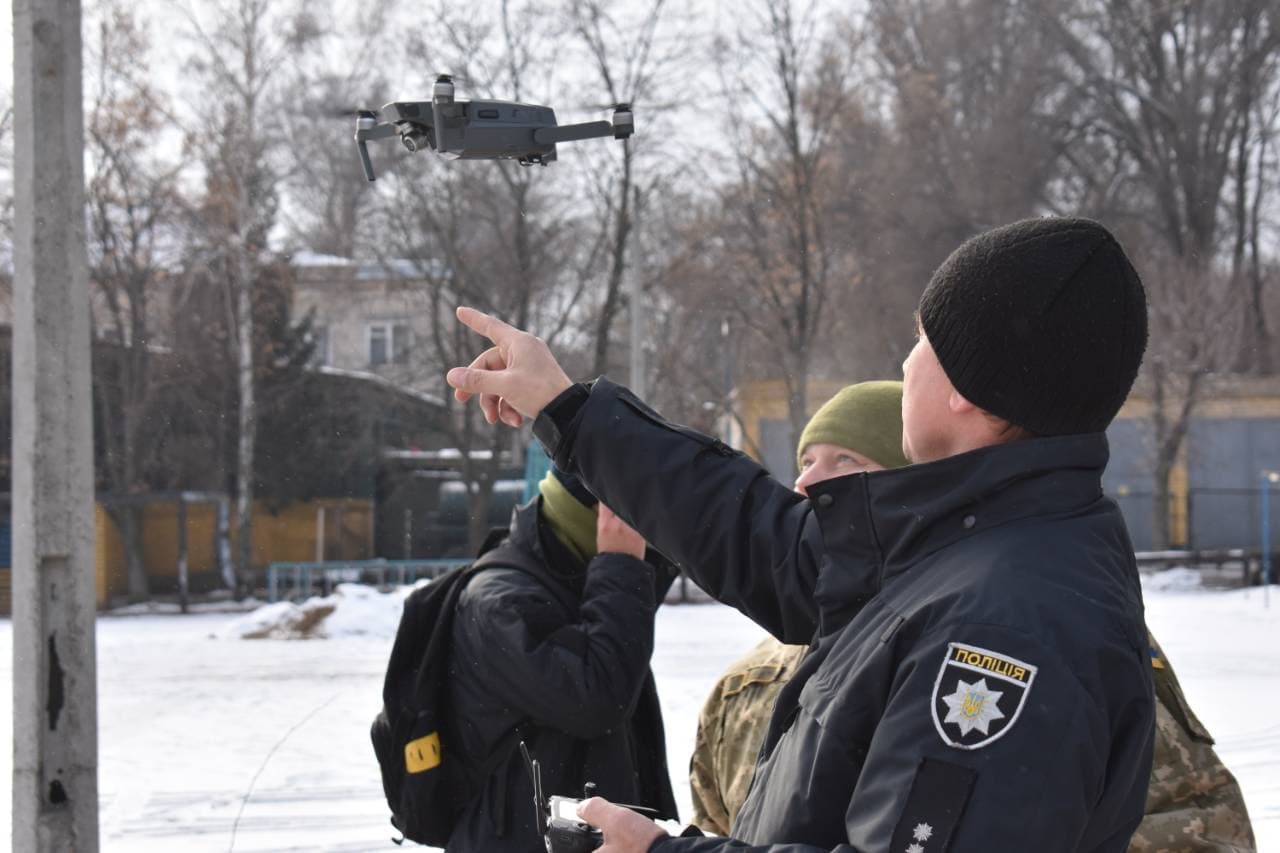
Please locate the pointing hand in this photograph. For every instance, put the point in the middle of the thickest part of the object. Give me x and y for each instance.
(514, 379)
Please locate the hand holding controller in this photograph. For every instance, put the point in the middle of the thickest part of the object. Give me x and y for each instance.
(565, 830)
(568, 833)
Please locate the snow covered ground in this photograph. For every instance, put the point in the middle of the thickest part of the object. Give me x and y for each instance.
(214, 743)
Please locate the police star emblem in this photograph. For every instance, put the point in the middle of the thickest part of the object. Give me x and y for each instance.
(978, 695)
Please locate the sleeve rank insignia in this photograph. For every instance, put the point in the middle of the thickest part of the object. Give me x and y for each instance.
(978, 695)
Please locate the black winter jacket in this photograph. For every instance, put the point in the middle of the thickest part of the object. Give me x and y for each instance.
(977, 679)
(564, 656)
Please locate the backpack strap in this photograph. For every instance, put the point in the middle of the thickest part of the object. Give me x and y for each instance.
(498, 553)
(493, 539)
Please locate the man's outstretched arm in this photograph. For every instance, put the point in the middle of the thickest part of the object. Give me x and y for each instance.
(746, 538)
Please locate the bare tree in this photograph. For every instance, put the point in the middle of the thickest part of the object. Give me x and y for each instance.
(241, 54)
(697, 332)
(1172, 87)
(494, 235)
(326, 193)
(775, 249)
(1255, 184)
(959, 130)
(634, 60)
(1174, 83)
(975, 96)
(134, 207)
(1195, 324)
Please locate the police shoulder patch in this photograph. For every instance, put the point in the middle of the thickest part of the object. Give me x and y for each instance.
(978, 695)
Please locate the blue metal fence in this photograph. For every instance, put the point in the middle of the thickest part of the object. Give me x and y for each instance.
(294, 581)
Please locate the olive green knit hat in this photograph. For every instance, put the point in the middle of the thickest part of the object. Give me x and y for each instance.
(566, 512)
(866, 417)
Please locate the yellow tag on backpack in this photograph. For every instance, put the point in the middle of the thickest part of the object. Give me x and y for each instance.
(422, 754)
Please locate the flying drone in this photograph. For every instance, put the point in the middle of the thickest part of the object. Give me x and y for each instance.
(480, 130)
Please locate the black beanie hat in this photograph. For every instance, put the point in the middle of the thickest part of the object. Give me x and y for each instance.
(1042, 323)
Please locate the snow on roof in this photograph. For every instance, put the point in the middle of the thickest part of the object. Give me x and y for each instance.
(330, 370)
(308, 258)
(372, 270)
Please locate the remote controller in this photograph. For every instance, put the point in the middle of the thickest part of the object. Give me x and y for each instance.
(557, 818)
(568, 833)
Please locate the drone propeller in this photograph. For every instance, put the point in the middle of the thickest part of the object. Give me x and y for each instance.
(463, 80)
(344, 112)
(645, 105)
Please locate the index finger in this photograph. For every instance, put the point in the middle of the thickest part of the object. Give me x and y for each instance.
(487, 324)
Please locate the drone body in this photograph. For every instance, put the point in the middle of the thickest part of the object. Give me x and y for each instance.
(480, 130)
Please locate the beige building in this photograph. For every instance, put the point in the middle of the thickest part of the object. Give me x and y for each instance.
(374, 317)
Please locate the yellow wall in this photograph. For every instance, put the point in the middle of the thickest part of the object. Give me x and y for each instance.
(768, 399)
(289, 536)
(111, 578)
(160, 533)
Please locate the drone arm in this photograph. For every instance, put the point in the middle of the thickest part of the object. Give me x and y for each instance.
(572, 132)
(375, 132)
(365, 162)
(378, 131)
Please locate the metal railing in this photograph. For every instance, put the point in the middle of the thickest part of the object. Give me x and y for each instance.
(294, 581)
(1247, 561)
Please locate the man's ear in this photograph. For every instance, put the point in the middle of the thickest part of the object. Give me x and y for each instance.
(958, 404)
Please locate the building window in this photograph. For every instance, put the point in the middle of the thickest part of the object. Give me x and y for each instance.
(388, 343)
(319, 339)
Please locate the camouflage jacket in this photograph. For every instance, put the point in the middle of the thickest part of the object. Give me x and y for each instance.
(1193, 803)
(731, 728)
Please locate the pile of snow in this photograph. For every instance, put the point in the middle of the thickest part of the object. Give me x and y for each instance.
(353, 610)
(1179, 579)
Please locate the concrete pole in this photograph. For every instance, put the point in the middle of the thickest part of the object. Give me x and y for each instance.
(55, 721)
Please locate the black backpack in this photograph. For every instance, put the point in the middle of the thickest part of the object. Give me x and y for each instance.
(426, 782)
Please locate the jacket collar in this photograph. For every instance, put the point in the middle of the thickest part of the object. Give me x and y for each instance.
(886, 521)
(558, 569)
